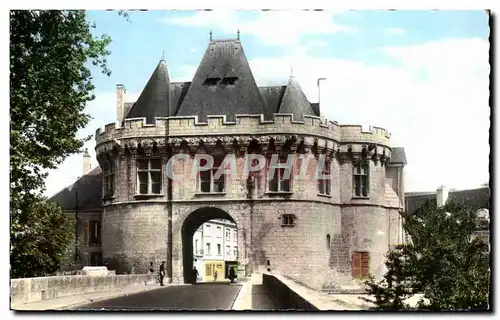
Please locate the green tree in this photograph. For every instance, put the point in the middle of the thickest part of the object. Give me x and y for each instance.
(392, 291)
(446, 262)
(43, 240)
(50, 81)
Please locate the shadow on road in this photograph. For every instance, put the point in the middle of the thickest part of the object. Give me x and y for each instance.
(260, 299)
(202, 297)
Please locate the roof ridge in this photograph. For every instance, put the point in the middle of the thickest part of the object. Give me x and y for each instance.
(225, 40)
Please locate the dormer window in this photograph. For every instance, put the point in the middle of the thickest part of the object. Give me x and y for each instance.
(211, 81)
(229, 80)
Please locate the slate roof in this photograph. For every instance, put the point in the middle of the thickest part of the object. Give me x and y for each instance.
(127, 107)
(223, 60)
(475, 199)
(272, 97)
(295, 101)
(154, 100)
(222, 85)
(89, 193)
(398, 155)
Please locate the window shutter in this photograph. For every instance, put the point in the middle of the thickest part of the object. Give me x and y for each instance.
(365, 264)
(99, 232)
(356, 264)
(85, 232)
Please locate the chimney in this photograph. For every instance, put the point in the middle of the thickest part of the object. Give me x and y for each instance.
(120, 102)
(441, 196)
(86, 162)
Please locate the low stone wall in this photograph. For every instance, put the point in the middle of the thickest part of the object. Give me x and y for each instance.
(288, 294)
(27, 290)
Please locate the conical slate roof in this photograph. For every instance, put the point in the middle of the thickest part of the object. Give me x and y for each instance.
(223, 84)
(295, 101)
(272, 97)
(154, 100)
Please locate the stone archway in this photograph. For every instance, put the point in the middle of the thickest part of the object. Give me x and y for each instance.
(191, 223)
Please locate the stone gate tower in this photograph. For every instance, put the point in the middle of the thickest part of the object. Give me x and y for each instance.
(322, 232)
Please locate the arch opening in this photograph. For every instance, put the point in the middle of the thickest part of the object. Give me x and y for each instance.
(209, 243)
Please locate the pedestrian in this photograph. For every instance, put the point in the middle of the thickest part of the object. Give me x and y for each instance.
(195, 275)
(162, 272)
(215, 275)
(232, 274)
(151, 269)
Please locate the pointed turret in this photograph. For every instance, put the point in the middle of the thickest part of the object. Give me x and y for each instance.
(154, 100)
(223, 84)
(295, 101)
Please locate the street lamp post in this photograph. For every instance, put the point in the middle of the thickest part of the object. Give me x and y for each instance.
(319, 92)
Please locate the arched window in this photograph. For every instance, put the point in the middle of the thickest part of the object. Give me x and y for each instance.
(328, 241)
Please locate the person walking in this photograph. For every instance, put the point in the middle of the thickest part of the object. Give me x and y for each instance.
(162, 273)
(195, 275)
(215, 275)
(232, 275)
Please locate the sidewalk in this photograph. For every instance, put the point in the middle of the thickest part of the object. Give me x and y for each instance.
(252, 295)
(69, 302)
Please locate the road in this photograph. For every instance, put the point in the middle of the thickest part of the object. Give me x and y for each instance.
(178, 297)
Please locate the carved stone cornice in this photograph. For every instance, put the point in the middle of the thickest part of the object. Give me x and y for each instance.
(240, 145)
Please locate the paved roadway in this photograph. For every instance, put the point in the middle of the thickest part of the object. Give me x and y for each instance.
(176, 297)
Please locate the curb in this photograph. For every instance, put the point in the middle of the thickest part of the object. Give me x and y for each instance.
(236, 298)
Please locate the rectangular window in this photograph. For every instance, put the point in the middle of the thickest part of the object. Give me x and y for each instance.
(228, 251)
(196, 247)
(208, 249)
(208, 270)
(235, 253)
(219, 232)
(228, 235)
(324, 185)
(288, 220)
(149, 176)
(109, 180)
(235, 236)
(95, 232)
(206, 181)
(279, 183)
(218, 250)
(360, 264)
(361, 179)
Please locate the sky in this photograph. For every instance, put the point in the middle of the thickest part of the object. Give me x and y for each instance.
(422, 75)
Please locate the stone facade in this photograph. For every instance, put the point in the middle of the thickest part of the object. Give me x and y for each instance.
(300, 232)
(135, 227)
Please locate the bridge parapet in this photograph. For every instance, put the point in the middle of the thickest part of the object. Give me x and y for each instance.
(288, 294)
(28, 290)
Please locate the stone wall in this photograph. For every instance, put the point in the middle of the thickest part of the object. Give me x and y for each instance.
(134, 235)
(29, 290)
(135, 227)
(288, 294)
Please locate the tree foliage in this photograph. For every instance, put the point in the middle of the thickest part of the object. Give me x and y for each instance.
(42, 241)
(445, 261)
(50, 81)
